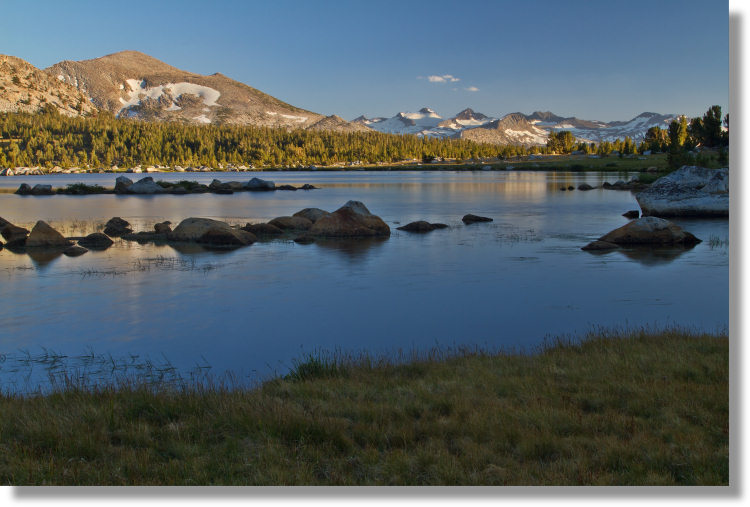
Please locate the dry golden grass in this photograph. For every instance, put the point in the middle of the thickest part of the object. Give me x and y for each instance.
(634, 409)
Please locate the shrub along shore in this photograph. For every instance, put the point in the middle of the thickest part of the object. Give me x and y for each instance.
(616, 408)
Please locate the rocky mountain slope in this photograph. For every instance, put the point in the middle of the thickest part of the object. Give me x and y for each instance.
(514, 128)
(511, 129)
(24, 88)
(135, 85)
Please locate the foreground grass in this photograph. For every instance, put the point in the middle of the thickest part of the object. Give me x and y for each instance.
(646, 409)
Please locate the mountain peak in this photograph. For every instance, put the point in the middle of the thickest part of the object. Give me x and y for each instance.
(469, 114)
(427, 110)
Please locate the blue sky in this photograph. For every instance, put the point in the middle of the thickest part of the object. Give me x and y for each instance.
(603, 60)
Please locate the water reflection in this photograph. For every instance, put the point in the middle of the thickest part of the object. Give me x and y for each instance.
(150, 299)
(351, 249)
(654, 256)
(645, 255)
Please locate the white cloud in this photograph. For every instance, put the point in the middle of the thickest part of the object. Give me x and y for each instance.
(445, 78)
(472, 89)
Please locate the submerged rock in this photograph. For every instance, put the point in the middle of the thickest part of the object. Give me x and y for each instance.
(600, 245)
(220, 237)
(650, 231)
(689, 191)
(353, 219)
(470, 219)
(116, 226)
(304, 239)
(421, 226)
(42, 235)
(74, 251)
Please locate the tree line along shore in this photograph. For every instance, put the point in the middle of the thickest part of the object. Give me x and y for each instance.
(49, 140)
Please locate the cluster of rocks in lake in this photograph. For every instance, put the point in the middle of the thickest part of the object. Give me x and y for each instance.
(633, 185)
(690, 191)
(351, 221)
(147, 186)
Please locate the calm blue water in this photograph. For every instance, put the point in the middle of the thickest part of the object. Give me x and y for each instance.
(509, 283)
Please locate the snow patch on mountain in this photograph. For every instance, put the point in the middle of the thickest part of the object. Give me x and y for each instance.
(139, 90)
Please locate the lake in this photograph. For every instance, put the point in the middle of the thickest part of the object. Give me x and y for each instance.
(511, 283)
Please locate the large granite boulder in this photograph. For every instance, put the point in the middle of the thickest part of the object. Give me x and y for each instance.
(42, 235)
(122, 184)
(690, 191)
(116, 226)
(647, 231)
(146, 186)
(312, 214)
(353, 219)
(259, 184)
(96, 241)
(192, 229)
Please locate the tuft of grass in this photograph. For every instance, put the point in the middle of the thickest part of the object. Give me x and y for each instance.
(83, 189)
(615, 408)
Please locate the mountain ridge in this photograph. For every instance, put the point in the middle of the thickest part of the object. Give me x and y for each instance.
(516, 128)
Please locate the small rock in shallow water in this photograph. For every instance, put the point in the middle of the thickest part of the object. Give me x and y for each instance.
(96, 241)
(650, 231)
(304, 240)
(74, 251)
(42, 235)
(116, 226)
(470, 219)
(418, 226)
(600, 245)
(633, 213)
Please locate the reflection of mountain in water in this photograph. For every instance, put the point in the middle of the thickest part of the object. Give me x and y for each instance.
(351, 249)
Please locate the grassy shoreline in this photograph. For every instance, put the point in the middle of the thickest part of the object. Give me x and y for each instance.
(636, 408)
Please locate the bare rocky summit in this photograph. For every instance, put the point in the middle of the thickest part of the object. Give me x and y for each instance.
(135, 85)
(513, 128)
(26, 89)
